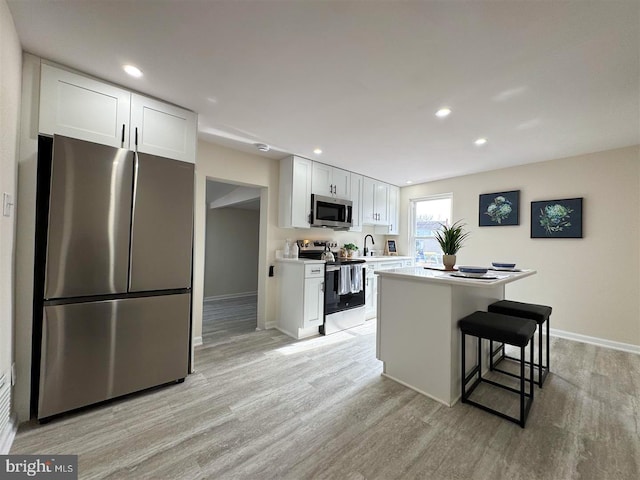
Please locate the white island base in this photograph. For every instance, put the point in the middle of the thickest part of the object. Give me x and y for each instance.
(418, 339)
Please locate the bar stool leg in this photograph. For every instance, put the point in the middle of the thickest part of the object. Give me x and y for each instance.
(522, 382)
(548, 350)
(463, 372)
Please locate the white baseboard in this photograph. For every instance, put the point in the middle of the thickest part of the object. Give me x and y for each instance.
(197, 341)
(6, 437)
(230, 295)
(600, 342)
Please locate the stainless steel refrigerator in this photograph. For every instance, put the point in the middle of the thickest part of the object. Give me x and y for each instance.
(113, 273)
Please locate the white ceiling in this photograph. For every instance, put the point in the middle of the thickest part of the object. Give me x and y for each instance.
(362, 80)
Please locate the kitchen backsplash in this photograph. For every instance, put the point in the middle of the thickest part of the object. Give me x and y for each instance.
(340, 237)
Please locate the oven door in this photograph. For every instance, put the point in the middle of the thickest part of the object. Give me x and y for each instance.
(330, 212)
(336, 298)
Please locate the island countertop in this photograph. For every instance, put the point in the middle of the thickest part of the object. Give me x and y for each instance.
(422, 274)
(418, 339)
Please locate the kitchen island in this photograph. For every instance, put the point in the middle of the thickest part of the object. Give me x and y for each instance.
(418, 339)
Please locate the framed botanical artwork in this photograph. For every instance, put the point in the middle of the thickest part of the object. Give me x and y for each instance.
(499, 209)
(557, 218)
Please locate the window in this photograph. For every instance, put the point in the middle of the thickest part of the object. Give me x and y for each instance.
(426, 216)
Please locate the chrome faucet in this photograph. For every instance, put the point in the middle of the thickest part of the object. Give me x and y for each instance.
(366, 250)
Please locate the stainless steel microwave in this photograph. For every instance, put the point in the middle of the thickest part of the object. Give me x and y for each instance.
(331, 212)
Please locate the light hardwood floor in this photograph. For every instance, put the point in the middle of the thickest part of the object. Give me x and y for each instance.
(263, 406)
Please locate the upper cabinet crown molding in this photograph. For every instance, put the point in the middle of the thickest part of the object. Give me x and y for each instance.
(75, 105)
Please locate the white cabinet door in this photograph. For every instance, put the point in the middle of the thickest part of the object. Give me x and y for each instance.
(295, 192)
(381, 204)
(371, 297)
(161, 129)
(394, 210)
(356, 198)
(330, 181)
(321, 180)
(375, 202)
(83, 108)
(313, 302)
(341, 180)
(391, 227)
(368, 199)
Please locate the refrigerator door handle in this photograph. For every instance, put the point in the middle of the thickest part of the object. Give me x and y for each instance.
(133, 214)
(136, 138)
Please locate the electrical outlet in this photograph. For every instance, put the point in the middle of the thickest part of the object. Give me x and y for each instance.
(7, 203)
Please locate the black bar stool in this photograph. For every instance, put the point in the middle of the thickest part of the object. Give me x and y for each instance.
(531, 311)
(505, 329)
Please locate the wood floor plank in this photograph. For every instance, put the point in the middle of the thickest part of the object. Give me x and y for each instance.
(264, 406)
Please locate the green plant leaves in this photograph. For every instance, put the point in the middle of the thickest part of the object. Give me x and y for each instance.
(451, 238)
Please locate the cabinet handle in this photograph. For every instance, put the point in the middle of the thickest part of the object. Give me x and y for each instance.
(122, 135)
(136, 136)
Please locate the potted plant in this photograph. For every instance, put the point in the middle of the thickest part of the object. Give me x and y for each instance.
(450, 240)
(350, 248)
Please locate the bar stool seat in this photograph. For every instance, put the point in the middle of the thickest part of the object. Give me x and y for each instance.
(540, 314)
(505, 329)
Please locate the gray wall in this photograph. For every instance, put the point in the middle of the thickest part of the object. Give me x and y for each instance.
(231, 258)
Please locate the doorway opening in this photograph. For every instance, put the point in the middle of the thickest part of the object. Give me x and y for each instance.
(231, 261)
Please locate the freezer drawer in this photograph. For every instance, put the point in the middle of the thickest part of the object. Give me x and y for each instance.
(162, 224)
(100, 350)
(89, 219)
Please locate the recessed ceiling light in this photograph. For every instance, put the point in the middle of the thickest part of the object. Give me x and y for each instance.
(480, 141)
(317, 151)
(263, 147)
(409, 182)
(133, 71)
(443, 112)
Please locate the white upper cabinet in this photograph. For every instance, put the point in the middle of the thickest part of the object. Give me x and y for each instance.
(391, 228)
(356, 198)
(394, 210)
(295, 192)
(80, 107)
(375, 202)
(330, 181)
(161, 129)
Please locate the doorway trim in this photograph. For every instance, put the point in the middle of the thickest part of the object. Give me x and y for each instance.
(199, 246)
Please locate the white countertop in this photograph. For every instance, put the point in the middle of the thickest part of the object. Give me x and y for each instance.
(380, 258)
(436, 276)
(383, 258)
(301, 261)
